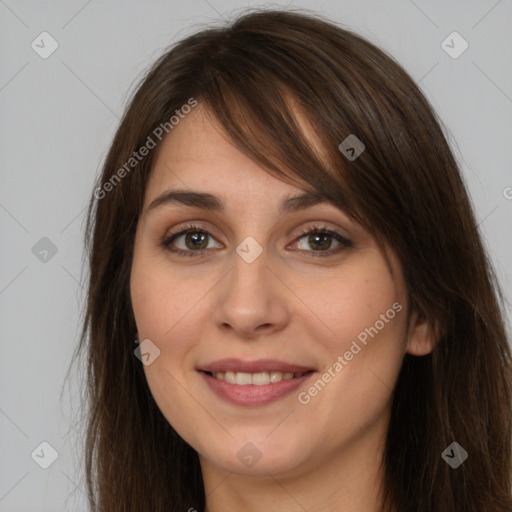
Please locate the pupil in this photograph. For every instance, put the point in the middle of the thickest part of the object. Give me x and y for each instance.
(195, 237)
(314, 239)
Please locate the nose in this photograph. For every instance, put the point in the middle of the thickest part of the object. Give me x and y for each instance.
(251, 300)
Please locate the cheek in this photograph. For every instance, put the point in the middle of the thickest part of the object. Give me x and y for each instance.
(164, 309)
(164, 303)
(361, 302)
(362, 310)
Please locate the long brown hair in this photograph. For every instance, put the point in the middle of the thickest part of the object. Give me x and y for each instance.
(253, 76)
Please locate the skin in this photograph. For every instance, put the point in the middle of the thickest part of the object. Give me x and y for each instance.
(288, 305)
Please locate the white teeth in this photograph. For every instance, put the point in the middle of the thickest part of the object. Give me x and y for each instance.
(258, 379)
(243, 378)
(276, 376)
(228, 377)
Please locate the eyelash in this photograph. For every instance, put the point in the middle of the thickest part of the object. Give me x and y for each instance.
(323, 230)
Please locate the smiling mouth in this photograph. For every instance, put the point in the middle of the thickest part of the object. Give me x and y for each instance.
(257, 379)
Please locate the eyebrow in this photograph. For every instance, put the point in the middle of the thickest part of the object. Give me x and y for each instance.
(206, 201)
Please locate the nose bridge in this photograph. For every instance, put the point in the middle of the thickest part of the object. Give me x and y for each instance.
(248, 282)
(249, 297)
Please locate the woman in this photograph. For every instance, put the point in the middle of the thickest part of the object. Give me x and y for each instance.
(282, 228)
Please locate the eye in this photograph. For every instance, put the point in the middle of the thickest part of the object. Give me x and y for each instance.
(190, 241)
(321, 239)
(195, 241)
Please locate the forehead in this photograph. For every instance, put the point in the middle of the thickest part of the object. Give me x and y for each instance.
(198, 154)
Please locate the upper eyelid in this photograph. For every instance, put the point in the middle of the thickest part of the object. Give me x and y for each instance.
(304, 231)
(319, 226)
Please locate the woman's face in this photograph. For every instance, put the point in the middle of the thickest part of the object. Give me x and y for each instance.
(262, 304)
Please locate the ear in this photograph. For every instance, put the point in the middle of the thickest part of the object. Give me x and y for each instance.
(422, 336)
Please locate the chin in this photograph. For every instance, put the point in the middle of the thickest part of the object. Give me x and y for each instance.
(258, 457)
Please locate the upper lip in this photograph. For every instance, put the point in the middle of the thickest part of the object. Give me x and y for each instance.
(257, 366)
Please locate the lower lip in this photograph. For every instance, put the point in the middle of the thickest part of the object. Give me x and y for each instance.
(252, 394)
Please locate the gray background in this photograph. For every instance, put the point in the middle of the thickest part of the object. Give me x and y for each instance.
(58, 116)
